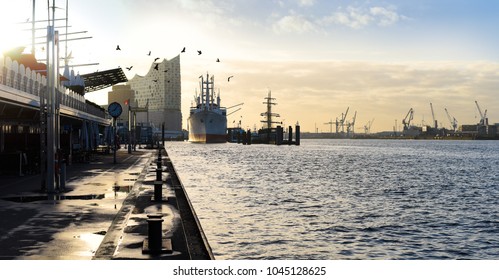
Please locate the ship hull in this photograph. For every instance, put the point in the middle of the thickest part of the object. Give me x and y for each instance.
(207, 127)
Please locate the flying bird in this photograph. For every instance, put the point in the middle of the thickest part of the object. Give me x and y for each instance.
(199, 52)
(218, 60)
(228, 79)
(183, 50)
(149, 53)
(155, 81)
(166, 70)
(118, 48)
(156, 59)
(129, 68)
(156, 67)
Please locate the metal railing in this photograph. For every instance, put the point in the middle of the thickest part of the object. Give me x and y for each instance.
(17, 76)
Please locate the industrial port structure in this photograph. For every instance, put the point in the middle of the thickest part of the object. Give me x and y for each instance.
(345, 128)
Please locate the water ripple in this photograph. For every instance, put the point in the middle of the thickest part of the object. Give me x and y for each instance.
(344, 199)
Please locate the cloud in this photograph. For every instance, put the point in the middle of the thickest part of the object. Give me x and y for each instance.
(357, 17)
(316, 91)
(306, 2)
(293, 24)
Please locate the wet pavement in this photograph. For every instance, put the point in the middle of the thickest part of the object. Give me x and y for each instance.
(102, 214)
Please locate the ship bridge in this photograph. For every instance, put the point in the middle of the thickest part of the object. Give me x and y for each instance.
(83, 125)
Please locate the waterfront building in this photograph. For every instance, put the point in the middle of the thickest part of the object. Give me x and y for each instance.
(159, 91)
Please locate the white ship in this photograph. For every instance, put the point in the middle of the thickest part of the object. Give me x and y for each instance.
(207, 119)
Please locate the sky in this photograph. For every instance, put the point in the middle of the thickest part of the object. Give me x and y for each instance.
(318, 58)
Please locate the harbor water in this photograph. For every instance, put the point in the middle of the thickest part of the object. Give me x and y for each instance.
(345, 199)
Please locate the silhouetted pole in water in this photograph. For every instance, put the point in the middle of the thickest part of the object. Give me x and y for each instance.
(297, 137)
(280, 135)
(290, 135)
(248, 135)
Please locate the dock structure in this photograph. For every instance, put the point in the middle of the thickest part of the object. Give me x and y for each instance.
(268, 134)
(108, 212)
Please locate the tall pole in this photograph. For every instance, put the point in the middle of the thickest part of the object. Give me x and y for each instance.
(33, 30)
(129, 129)
(115, 137)
(51, 108)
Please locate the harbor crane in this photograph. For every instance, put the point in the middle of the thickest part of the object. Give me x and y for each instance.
(484, 121)
(342, 121)
(408, 118)
(452, 120)
(330, 125)
(433, 116)
(367, 127)
(483, 117)
(351, 125)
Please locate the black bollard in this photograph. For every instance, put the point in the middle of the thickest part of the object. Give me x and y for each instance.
(158, 191)
(159, 177)
(155, 233)
(159, 163)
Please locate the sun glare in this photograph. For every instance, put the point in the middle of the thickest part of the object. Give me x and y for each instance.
(13, 33)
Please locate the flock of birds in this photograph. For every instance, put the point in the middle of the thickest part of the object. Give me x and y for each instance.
(156, 67)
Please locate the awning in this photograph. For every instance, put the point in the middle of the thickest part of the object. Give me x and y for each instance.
(103, 79)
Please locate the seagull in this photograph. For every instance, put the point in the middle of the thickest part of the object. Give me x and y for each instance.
(156, 59)
(155, 81)
(156, 67)
(129, 68)
(149, 53)
(166, 70)
(183, 50)
(199, 52)
(118, 48)
(218, 60)
(228, 79)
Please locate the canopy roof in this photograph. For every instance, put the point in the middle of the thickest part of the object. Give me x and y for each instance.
(103, 79)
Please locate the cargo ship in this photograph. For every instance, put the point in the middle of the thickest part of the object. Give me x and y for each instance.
(207, 119)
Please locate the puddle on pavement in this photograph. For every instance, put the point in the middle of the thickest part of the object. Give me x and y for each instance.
(122, 188)
(95, 184)
(27, 199)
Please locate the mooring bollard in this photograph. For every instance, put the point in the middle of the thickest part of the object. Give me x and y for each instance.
(297, 134)
(159, 177)
(159, 163)
(154, 232)
(158, 192)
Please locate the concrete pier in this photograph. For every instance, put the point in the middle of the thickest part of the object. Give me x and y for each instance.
(102, 214)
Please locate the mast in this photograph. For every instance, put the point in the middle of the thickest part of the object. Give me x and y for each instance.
(33, 30)
(269, 115)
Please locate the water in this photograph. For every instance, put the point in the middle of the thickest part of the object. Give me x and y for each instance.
(345, 199)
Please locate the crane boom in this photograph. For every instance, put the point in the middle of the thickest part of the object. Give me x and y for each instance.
(407, 120)
(452, 120)
(479, 110)
(433, 116)
(483, 116)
